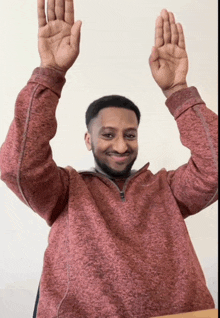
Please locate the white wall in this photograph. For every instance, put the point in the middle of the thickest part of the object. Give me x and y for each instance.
(117, 37)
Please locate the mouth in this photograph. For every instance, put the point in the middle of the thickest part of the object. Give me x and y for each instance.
(119, 158)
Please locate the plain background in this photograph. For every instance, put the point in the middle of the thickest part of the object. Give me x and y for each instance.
(117, 37)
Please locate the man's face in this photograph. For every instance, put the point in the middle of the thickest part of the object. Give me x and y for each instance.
(112, 137)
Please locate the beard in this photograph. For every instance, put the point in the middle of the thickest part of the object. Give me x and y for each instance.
(112, 172)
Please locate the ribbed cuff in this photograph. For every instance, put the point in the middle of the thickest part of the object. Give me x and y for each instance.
(181, 100)
(48, 78)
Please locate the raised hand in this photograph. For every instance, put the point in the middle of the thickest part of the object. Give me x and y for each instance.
(59, 36)
(168, 60)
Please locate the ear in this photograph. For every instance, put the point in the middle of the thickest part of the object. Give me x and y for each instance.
(88, 141)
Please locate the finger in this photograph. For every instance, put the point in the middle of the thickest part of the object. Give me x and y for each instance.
(51, 10)
(69, 12)
(166, 27)
(159, 32)
(174, 31)
(41, 13)
(75, 34)
(59, 9)
(181, 42)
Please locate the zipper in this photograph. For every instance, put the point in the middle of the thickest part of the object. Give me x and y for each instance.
(122, 193)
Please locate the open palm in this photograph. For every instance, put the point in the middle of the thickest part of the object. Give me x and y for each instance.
(59, 36)
(168, 60)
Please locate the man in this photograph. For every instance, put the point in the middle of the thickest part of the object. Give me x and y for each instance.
(118, 245)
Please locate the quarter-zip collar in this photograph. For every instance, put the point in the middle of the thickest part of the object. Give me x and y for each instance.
(101, 174)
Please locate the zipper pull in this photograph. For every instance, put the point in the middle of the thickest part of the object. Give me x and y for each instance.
(122, 195)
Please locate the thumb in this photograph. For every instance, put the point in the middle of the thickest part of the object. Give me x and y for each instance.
(154, 59)
(75, 34)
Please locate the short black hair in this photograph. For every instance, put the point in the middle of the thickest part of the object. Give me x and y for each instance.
(110, 101)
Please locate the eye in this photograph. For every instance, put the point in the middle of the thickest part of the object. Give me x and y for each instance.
(130, 136)
(108, 136)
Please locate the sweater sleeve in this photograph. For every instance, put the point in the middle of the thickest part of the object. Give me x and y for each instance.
(26, 162)
(194, 185)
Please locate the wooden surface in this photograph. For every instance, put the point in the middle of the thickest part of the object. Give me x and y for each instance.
(211, 313)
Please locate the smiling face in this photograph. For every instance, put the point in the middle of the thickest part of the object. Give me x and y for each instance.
(112, 137)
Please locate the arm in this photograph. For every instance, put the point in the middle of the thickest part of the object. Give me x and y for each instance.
(26, 162)
(194, 184)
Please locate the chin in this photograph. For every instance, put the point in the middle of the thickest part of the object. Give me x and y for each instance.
(113, 172)
(118, 174)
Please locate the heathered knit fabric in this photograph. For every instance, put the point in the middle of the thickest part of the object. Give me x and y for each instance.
(110, 257)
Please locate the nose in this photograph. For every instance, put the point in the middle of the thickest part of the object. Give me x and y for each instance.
(120, 145)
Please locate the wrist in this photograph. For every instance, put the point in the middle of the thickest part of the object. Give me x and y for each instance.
(62, 72)
(172, 90)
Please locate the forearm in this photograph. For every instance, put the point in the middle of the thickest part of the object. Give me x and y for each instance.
(26, 160)
(195, 184)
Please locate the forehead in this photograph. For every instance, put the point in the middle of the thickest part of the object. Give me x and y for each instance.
(115, 117)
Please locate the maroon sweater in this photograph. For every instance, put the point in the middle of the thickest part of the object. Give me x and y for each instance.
(112, 255)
